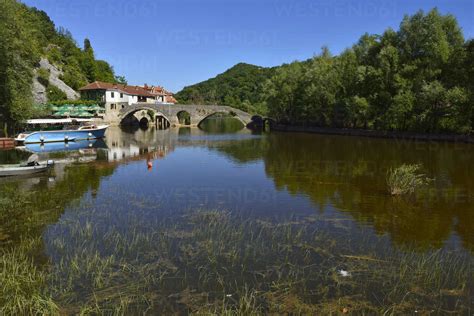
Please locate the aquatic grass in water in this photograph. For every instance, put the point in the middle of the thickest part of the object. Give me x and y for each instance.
(216, 262)
(23, 286)
(405, 179)
(213, 262)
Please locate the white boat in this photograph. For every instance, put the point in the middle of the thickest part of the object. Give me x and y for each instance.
(24, 169)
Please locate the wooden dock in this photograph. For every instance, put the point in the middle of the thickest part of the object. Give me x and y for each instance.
(7, 143)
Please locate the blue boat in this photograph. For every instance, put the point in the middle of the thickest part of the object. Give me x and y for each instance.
(68, 131)
(69, 146)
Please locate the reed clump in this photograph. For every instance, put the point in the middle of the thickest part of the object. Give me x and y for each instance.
(406, 179)
(23, 286)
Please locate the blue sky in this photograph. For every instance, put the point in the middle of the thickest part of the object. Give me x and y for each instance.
(176, 43)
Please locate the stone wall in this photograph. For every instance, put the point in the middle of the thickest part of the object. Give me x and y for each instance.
(197, 112)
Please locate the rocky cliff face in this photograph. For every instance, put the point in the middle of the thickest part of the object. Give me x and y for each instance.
(39, 90)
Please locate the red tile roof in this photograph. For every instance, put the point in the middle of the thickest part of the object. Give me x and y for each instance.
(160, 91)
(145, 91)
(155, 90)
(132, 90)
(170, 99)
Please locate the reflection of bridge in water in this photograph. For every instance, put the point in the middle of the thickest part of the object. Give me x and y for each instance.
(138, 144)
(124, 144)
(163, 115)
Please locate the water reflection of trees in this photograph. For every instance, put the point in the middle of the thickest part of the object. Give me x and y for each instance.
(349, 173)
(25, 213)
(221, 124)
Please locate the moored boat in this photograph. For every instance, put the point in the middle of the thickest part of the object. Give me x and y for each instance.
(67, 130)
(63, 146)
(24, 169)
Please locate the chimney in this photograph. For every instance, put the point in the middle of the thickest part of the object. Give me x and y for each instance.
(145, 86)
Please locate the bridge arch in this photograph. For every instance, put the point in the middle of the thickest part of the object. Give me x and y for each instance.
(197, 113)
(152, 116)
(184, 117)
(226, 112)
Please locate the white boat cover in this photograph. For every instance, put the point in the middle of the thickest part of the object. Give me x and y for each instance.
(57, 121)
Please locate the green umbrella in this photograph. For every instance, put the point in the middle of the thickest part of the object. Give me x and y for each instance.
(62, 113)
(65, 110)
(95, 107)
(85, 114)
(82, 107)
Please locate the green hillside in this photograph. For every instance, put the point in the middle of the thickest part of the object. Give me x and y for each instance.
(26, 36)
(240, 86)
(417, 78)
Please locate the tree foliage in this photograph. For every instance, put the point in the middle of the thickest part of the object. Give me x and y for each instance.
(18, 55)
(418, 78)
(26, 35)
(241, 87)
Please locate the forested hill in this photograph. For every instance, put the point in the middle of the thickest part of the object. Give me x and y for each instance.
(417, 78)
(240, 86)
(32, 49)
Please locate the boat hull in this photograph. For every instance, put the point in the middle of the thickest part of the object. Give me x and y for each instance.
(63, 135)
(10, 171)
(62, 146)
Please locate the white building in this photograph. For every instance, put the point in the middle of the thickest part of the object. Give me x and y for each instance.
(116, 95)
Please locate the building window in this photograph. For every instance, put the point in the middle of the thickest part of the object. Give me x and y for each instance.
(113, 106)
(123, 106)
(121, 95)
(112, 94)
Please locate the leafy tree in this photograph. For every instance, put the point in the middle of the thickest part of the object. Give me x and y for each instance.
(104, 72)
(18, 54)
(88, 63)
(283, 91)
(417, 78)
(321, 86)
(121, 80)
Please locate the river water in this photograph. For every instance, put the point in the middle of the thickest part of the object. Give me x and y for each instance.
(112, 198)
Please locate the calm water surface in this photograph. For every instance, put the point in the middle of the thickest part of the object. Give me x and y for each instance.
(337, 184)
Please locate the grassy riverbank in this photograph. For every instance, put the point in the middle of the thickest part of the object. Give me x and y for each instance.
(214, 262)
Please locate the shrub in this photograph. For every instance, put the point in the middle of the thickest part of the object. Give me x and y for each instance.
(55, 94)
(23, 287)
(405, 179)
(43, 77)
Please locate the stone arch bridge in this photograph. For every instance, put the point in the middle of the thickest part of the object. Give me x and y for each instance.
(170, 114)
